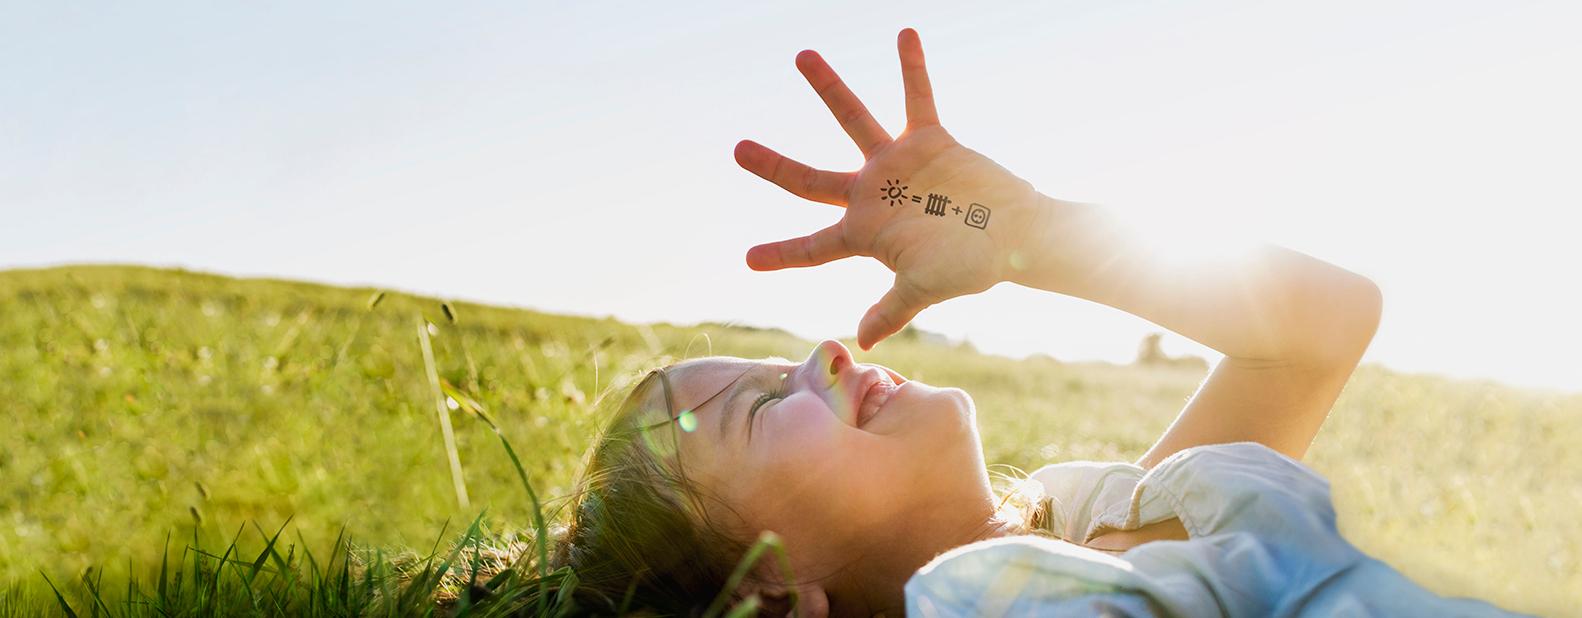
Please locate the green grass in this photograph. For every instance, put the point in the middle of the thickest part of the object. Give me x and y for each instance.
(147, 405)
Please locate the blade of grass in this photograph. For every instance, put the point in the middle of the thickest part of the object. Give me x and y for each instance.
(567, 586)
(539, 524)
(164, 555)
(379, 574)
(748, 607)
(268, 549)
(64, 606)
(766, 542)
(472, 580)
(92, 584)
(131, 585)
(346, 574)
(283, 565)
(444, 414)
(357, 328)
(219, 568)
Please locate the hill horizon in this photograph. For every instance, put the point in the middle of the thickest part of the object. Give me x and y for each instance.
(926, 334)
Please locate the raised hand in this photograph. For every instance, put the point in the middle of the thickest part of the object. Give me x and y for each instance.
(947, 220)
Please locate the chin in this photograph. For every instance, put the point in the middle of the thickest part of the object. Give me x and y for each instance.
(957, 406)
(954, 449)
(935, 415)
(964, 402)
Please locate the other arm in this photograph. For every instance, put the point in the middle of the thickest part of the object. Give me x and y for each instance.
(1292, 328)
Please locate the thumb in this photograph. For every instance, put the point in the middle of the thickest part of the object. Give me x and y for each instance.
(890, 314)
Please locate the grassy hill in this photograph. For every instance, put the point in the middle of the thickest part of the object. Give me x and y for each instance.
(149, 404)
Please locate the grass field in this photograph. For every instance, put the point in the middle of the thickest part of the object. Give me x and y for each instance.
(146, 405)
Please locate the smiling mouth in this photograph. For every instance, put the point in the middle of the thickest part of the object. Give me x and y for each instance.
(873, 399)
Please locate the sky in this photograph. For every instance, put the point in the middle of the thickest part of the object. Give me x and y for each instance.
(576, 157)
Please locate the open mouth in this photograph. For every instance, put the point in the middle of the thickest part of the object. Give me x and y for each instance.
(873, 400)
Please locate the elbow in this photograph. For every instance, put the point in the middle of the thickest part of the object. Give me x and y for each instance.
(1342, 321)
(1371, 307)
(1361, 321)
(1356, 316)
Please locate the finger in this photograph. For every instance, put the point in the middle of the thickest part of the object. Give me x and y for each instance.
(809, 183)
(821, 247)
(890, 314)
(848, 109)
(920, 110)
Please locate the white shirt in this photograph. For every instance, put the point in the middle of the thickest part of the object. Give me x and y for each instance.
(1263, 543)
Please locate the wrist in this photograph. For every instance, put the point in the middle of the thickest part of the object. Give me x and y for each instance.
(1029, 250)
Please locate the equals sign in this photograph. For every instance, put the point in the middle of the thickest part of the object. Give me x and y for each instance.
(917, 199)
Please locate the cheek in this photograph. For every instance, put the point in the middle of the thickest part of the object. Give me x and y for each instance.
(798, 432)
(814, 469)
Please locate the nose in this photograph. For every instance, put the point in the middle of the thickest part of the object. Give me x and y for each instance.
(823, 372)
(828, 359)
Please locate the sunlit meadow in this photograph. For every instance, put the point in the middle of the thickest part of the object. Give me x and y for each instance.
(150, 411)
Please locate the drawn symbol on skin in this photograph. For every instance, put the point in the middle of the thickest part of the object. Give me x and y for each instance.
(955, 209)
(977, 216)
(894, 191)
(918, 199)
(936, 204)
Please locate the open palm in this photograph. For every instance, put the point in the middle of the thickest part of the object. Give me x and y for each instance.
(918, 204)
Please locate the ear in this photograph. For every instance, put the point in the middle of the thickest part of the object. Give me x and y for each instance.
(810, 600)
(779, 593)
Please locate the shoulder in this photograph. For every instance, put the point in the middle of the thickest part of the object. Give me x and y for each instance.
(1242, 485)
(1203, 486)
(1085, 495)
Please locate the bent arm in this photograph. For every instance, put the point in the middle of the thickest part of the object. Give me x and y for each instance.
(1292, 328)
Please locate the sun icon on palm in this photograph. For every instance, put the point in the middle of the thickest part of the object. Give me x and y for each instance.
(894, 191)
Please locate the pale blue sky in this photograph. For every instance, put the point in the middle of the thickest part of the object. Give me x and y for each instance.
(576, 157)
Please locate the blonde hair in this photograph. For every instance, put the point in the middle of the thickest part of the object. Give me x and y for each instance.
(1021, 501)
(640, 538)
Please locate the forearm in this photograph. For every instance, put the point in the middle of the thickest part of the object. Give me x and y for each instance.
(1264, 303)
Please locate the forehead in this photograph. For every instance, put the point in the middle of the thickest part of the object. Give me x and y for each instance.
(710, 388)
(695, 381)
(698, 387)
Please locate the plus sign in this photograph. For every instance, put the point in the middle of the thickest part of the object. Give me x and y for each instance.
(956, 208)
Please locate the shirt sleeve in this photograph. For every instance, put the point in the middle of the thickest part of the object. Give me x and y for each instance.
(1088, 498)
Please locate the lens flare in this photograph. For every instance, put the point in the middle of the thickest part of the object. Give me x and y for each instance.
(687, 420)
(658, 437)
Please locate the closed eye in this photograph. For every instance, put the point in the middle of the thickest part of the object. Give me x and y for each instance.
(760, 402)
(753, 411)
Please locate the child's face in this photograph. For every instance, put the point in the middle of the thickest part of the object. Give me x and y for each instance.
(839, 454)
